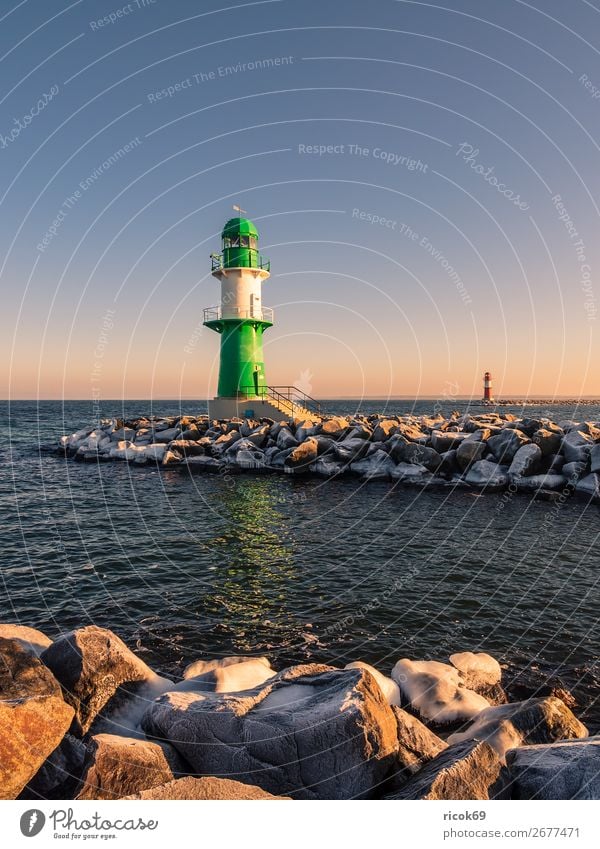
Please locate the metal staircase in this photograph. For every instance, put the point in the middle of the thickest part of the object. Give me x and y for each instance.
(289, 400)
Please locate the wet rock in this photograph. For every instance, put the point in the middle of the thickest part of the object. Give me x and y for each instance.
(312, 732)
(565, 770)
(470, 770)
(30, 639)
(349, 450)
(120, 766)
(378, 466)
(286, 439)
(536, 483)
(533, 721)
(327, 467)
(595, 458)
(34, 717)
(409, 473)
(436, 692)
(92, 664)
(206, 789)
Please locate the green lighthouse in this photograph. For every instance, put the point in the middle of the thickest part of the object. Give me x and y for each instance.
(241, 320)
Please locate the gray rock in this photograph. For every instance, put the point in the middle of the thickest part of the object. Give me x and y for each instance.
(504, 445)
(60, 775)
(327, 467)
(576, 446)
(548, 441)
(573, 471)
(526, 461)
(469, 452)
(595, 458)
(34, 717)
(470, 770)
(589, 487)
(445, 441)
(486, 475)
(384, 430)
(312, 732)
(421, 455)
(167, 435)
(378, 466)
(92, 664)
(535, 483)
(286, 439)
(565, 770)
(206, 789)
(349, 450)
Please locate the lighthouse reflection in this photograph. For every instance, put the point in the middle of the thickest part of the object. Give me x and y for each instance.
(255, 555)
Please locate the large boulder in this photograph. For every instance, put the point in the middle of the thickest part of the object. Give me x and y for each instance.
(335, 427)
(548, 441)
(119, 766)
(29, 639)
(504, 445)
(312, 732)
(435, 691)
(565, 770)
(470, 770)
(526, 461)
(351, 449)
(302, 456)
(589, 487)
(421, 455)
(378, 466)
(34, 717)
(226, 675)
(487, 475)
(444, 441)
(469, 452)
(533, 721)
(595, 458)
(206, 789)
(384, 430)
(576, 446)
(93, 667)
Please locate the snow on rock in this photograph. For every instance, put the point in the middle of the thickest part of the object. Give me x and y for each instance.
(334, 738)
(487, 475)
(533, 721)
(436, 692)
(388, 687)
(226, 675)
(208, 788)
(477, 668)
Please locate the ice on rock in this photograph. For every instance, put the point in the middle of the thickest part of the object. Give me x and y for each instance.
(228, 675)
(389, 688)
(436, 692)
(481, 666)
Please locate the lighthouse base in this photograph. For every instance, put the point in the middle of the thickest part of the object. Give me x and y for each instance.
(254, 408)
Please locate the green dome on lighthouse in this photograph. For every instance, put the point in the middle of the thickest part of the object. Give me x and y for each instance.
(239, 246)
(239, 227)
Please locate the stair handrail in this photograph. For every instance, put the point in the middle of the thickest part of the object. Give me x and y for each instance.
(288, 399)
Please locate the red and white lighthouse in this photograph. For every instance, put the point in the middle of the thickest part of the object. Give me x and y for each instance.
(487, 388)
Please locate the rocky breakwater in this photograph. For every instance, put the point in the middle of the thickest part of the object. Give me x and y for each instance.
(494, 452)
(82, 717)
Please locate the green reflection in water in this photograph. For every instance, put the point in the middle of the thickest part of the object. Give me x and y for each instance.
(255, 555)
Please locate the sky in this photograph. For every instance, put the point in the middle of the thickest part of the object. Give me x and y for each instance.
(424, 178)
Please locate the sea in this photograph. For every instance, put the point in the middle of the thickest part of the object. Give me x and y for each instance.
(186, 566)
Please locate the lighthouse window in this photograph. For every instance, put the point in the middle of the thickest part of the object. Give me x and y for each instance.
(235, 242)
(226, 242)
(244, 241)
(253, 243)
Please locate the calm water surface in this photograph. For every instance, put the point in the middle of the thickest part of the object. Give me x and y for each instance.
(193, 566)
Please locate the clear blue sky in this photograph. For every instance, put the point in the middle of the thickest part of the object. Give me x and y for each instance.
(470, 121)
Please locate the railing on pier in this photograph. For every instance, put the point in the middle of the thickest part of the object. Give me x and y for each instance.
(288, 399)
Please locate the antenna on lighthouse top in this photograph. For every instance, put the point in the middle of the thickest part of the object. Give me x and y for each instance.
(238, 208)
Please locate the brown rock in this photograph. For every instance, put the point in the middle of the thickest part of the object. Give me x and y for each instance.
(30, 639)
(91, 665)
(121, 766)
(205, 788)
(417, 745)
(470, 770)
(33, 716)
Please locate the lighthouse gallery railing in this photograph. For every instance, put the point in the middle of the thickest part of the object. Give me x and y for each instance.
(218, 313)
(287, 398)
